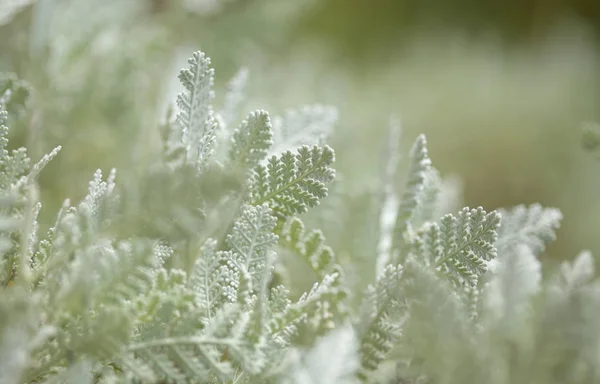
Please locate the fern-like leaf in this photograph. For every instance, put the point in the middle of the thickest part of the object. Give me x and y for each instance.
(196, 356)
(292, 183)
(381, 319)
(323, 294)
(14, 164)
(251, 140)
(310, 245)
(420, 166)
(532, 225)
(250, 241)
(197, 125)
(208, 277)
(460, 245)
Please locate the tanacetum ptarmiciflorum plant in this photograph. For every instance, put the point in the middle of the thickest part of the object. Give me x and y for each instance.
(187, 273)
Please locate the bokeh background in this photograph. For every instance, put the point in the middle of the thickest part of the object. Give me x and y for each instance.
(500, 88)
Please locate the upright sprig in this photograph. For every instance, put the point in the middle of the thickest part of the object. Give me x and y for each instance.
(250, 242)
(195, 131)
(18, 186)
(416, 202)
(383, 312)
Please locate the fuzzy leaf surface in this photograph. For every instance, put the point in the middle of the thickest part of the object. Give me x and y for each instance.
(291, 183)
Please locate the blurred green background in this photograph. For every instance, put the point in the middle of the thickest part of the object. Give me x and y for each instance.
(500, 88)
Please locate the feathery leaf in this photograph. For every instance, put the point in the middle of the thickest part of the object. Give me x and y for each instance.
(251, 140)
(532, 225)
(420, 166)
(292, 183)
(460, 245)
(196, 130)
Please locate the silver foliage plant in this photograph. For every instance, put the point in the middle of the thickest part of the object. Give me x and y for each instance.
(454, 298)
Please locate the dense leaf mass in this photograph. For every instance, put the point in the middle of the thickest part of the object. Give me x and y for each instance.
(226, 276)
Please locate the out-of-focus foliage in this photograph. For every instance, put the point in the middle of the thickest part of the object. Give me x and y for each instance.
(229, 250)
(458, 298)
(156, 303)
(97, 70)
(441, 66)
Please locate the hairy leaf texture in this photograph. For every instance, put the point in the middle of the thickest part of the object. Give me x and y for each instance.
(250, 241)
(167, 301)
(175, 317)
(208, 278)
(197, 356)
(75, 229)
(15, 167)
(98, 202)
(170, 279)
(196, 131)
(532, 225)
(14, 164)
(81, 226)
(9, 224)
(291, 183)
(95, 298)
(420, 166)
(279, 299)
(251, 140)
(19, 207)
(460, 245)
(240, 276)
(382, 316)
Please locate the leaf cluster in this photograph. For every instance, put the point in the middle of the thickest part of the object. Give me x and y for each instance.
(175, 275)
